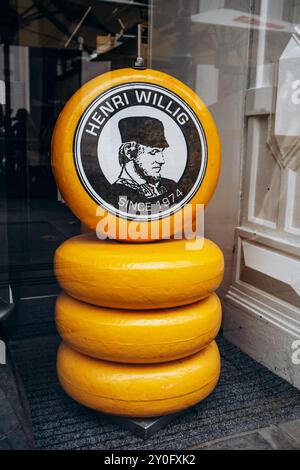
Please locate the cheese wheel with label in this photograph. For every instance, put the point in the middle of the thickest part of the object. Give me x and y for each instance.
(138, 336)
(137, 276)
(138, 390)
(131, 149)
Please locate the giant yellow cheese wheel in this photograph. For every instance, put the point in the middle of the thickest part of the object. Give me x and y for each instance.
(138, 276)
(135, 147)
(138, 390)
(138, 336)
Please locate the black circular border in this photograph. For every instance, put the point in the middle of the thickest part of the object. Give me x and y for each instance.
(99, 179)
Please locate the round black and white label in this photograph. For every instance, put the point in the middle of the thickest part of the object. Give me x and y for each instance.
(140, 151)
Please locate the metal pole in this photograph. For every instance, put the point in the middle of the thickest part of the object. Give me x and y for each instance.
(139, 41)
(139, 63)
(77, 27)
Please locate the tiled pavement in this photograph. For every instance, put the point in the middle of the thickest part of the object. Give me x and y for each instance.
(282, 437)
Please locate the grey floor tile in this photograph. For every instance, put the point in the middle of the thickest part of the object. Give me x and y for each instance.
(292, 429)
(250, 441)
(278, 439)
(271, 438)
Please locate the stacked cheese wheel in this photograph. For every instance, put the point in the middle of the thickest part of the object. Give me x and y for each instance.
(138, 320)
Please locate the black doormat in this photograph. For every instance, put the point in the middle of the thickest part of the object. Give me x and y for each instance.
(248, 397)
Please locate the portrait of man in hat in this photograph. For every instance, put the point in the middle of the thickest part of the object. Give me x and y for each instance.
(141, 157)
